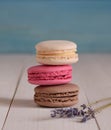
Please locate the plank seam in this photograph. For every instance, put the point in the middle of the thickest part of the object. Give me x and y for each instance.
(94, 117)
(17, 85)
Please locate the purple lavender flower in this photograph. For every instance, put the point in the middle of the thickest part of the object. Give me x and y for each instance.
(85, 113)
(84, 119)
(83, 106)
(69, 113)
(75, 111)
(53, 113)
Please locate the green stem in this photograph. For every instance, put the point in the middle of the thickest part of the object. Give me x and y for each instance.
(102, 107)
(98, 101)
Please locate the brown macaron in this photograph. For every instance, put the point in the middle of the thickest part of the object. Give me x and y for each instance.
(56, 96)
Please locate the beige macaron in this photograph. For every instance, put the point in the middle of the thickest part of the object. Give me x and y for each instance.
(57, 96)
(56, 52)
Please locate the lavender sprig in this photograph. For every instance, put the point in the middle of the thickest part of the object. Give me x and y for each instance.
(84, 112)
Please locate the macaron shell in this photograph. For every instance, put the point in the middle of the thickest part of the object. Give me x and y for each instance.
(47, 68)
(46, 103)
(57, 96)
(50, 82)
(55, 45)
(57, 88)
(49, 75)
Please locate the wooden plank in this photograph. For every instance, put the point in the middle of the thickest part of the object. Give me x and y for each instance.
(105, 116)
(92, 74)
(95, 73)
(10, 70)
(24, 114)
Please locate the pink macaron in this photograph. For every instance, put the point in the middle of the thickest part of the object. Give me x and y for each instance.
(49, 75)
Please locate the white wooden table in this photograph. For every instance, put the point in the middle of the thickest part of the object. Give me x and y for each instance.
(18, 111)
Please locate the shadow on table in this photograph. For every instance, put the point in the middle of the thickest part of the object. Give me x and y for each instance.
(17, 102)
(26, 103)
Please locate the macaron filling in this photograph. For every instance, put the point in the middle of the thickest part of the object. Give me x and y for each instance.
(57, 52)
(58, 95)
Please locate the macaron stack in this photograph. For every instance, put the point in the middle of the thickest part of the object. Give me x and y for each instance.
(54, 75)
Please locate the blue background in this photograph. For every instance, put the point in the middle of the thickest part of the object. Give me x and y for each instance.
(23, 24)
